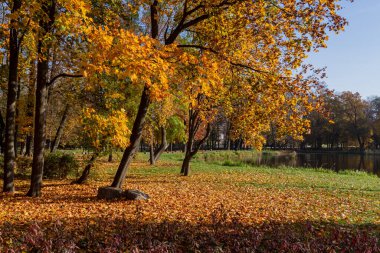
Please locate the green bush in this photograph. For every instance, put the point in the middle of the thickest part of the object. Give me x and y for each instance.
(24, 165)
(59, 166)
(230, 163)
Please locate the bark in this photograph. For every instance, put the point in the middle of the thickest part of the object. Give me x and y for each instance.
(138, 125)
(135, 139)
(9, 154)
(57, 138)
(151, 154)
(29, 140)
(163, 146)
(86, 172)
(110, 157)
(41, 102)
(2, 129)
(192, 148)
(16, 119)
(185, 170)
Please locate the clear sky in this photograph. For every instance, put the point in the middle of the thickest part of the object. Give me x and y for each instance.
(353, 56)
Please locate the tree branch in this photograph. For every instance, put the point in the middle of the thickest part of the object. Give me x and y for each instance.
(54, 79)
(229, 61)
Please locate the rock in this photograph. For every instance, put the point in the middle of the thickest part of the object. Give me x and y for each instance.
(135, 195)
(110, 193)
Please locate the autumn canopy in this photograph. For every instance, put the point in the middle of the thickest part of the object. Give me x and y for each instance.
(160, 69)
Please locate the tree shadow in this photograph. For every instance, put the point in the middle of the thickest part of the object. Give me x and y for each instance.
(218, 234)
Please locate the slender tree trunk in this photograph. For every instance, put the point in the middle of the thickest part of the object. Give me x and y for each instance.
(152, 161)
(9, 155)
(192, 148)
(138, 125)
(41, 102)
(86, 172)
(135, 139)
(29, 140)
(110, 157)
(39, 129)
(57, 138)
(186, 164)
(17, 115)
(163, 146)
(2, 129)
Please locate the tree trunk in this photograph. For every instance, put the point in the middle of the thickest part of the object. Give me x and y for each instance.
(110, 157)
(192, 148)
(163, 146)
(16, 119)
(138, 125)
(135, 139)
(151, 153)
(2, 129)
(28, 151)
(57, 138)
(9, 155)
(186, 164)
(86, 172)
(41, 102)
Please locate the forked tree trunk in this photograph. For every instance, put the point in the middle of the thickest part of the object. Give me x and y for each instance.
(163, 146)
(86, 172)
(135, 139)
(57, 138)
(192, 148)
(9, 154)
(41, 102)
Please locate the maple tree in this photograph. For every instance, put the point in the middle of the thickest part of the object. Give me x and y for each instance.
(273, 44)
(236, 58)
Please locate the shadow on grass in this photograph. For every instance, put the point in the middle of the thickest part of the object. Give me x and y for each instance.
(219, 234)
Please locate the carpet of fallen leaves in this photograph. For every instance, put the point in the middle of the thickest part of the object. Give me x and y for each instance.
(221, 211)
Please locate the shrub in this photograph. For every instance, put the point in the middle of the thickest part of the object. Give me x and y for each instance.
(59, 166)
(24, 164)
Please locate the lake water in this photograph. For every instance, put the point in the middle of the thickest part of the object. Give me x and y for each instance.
(335, 161)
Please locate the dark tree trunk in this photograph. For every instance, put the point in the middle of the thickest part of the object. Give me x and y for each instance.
(41, 102)
(110, 157)
(161, 149)
(138, 125)
(135, 139)
(86, 172)
(152, 161)
(192, 148)
(2, 129)
(57, 138)
(29, 140)
(9, 154)
(17, 115)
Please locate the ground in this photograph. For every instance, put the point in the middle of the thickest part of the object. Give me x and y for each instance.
(223, 206)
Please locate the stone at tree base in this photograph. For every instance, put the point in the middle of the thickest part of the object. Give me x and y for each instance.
(109, 193)
(135, 195)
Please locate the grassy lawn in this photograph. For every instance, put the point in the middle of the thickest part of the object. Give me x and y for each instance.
(223, 206)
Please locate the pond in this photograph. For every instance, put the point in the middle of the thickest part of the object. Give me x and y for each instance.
(336, 161)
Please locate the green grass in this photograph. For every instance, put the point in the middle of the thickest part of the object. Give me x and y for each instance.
(279, 178)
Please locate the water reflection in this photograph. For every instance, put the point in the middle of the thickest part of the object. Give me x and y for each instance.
(334, 161)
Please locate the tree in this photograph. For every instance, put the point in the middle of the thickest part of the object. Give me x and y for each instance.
(356, 117)
(46, 29)
(10, 124)
(270, 38)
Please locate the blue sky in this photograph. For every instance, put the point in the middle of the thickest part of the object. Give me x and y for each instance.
(353, 56)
